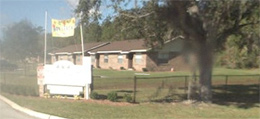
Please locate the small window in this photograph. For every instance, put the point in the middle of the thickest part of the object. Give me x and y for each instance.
(120, 59)
(138, 58)
(54, 58)
(69, 58)
(93, 58)
(105, 58)
(163, 57)
(78, 58)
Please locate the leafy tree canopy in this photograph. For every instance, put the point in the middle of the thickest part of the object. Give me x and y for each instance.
(206, 26)
(21, 40)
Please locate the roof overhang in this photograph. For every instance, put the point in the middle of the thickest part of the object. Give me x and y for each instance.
(141, 50)
(91, 53)
(78, 52)
(119, 51)
(61, 53)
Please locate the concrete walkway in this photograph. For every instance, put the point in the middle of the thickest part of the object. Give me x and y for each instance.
(10, 110)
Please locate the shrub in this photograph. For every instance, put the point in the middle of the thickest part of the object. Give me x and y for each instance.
(128, 98)
(122, 68)
(94, 95)
(112, 96)
(145, 70)
(77, 97)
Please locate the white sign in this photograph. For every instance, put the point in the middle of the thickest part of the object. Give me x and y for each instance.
(64, 90)
(63, 77)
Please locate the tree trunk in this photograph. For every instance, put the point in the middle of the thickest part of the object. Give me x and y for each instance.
(192, 87)
(205, 69)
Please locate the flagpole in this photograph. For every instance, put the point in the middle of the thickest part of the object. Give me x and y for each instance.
(45, 39)
(82, 40)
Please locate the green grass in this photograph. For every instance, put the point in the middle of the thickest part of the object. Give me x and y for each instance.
(147, 89)
(153, 89)
(216, 71)
(87, 109)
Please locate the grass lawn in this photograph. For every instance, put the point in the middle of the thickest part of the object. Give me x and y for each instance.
(78, 109)
(216, 71)
(244, 88)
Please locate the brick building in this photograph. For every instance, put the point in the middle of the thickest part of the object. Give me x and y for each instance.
(128, 54)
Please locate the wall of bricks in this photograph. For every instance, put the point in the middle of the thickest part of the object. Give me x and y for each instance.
(176, 62)
(148, 60)
(112, 62)
(138, 66)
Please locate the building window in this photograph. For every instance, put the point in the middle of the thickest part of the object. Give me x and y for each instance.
(69, 58)
(93, 58)
(78, 58)
(120, 59)
(163, 57)
(138, 58)
(105, 58)
(54, 58)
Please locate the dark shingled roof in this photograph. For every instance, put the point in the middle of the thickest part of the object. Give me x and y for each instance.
(77, 47)
(123, 46)
(126, 45)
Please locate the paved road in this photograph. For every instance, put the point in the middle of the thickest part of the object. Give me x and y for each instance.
(7, 112)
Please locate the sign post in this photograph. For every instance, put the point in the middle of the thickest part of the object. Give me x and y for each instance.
(40, 79)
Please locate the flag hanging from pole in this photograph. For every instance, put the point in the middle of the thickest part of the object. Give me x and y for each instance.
(63, 28)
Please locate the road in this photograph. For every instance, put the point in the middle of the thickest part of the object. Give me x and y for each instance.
(7, 112)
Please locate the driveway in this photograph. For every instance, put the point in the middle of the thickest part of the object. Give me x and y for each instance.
(7, 112)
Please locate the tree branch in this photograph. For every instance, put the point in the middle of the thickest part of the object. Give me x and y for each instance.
(136, 16)
(246, 24)
(221, 37)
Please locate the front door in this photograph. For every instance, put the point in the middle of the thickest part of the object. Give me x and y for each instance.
(130, 60)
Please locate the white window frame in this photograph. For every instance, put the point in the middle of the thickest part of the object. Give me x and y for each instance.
(78, 58)
(93, 58)
(120, 59)
(138, 58)
(106, 58)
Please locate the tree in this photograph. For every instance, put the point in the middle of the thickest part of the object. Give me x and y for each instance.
(93, 32)
(206, 25)
(21, 40)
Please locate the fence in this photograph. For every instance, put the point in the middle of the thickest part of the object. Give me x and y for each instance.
(231, 88)
(175, 88)
(18, 83)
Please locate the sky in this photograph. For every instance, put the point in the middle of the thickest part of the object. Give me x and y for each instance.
(12, 11)
(34, 10)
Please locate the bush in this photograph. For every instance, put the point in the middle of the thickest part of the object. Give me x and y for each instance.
(145, 70)
(94, 95)
(128, 98)
(112, 96)
(122, 68)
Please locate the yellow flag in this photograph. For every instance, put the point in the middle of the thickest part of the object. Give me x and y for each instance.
(63, 28)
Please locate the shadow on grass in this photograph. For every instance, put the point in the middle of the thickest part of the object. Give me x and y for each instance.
(101, 97)
(170, 98)
(242, 96)
(125, 91)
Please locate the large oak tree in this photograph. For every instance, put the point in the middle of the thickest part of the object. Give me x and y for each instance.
(205, 25)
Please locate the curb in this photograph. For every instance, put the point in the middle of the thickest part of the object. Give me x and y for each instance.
(28, 111)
